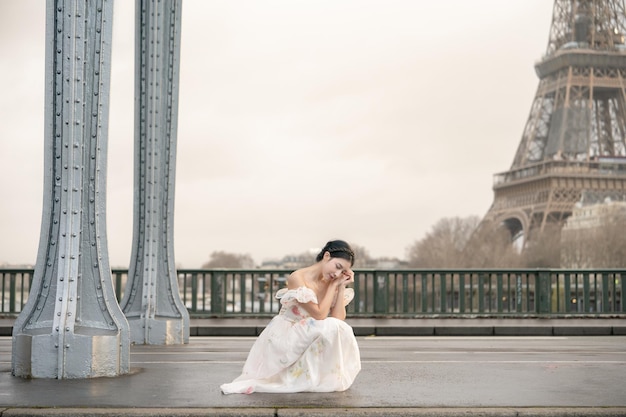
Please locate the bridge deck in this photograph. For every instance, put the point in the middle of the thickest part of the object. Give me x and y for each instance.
(402, 375)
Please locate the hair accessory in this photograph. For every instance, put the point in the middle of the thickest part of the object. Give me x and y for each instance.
(346, 250)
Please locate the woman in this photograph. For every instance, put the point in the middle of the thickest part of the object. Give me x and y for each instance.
(308, 346)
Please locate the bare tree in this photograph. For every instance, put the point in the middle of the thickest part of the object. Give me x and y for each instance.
(361, 255)
(611, 241)
(543, 249)
(490, 247)
(362, 258)
(576, 246)
(602, 246)
(443, 246)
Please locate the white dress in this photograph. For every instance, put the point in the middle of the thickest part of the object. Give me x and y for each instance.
(297, 353)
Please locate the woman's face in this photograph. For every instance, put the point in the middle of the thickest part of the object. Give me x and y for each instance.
(334, 267)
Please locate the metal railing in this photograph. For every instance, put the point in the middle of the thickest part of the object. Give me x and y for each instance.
(386, 293)
(602, 167)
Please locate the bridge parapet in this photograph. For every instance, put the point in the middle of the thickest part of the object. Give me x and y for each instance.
(402, 293)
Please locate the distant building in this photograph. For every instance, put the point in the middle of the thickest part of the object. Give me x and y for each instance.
(591, 215)
(290, 262)
(583, 231)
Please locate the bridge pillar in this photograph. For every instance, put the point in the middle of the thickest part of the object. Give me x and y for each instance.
(151, 302)
(71, 325)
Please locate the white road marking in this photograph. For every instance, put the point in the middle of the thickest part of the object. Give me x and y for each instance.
(417, 352)
(386, 362)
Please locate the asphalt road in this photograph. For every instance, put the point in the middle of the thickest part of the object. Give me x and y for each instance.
(405, 372)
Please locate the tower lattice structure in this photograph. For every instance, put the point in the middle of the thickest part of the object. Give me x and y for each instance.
(573, 146)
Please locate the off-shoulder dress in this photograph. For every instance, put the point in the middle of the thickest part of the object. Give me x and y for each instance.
(296, 353)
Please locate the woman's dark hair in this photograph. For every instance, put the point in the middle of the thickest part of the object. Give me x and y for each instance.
(337, 249)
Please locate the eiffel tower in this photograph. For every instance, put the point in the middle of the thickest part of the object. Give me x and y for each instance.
(573, 146)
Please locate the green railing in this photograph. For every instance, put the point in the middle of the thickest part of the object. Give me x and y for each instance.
(387, 293)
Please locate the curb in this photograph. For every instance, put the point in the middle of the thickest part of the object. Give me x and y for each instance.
(425, 331)
(416, 328)
(317, 412)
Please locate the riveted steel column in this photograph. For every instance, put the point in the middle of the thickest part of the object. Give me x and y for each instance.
(72, 326)
(152, 301)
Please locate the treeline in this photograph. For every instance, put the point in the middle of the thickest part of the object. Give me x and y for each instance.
(470, 243)
(221, 259)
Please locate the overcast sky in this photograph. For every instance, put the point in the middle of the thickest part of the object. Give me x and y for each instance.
(300, 121)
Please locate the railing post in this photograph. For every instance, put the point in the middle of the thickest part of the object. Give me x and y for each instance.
(567, 293)
(623, 292)
(3, 293)
(424, 277)
(217, 298)
(261, 294)
(443, 290)
(499, 290)
(381, 289)
(462, 292)
(470, 293)
(586, 293)
(605, 292)
(12, 292)
(356, 303)
(481, 292)
(194, 292)
(518, 293)
(242, 292)
(405, 293)
(556, 300)
(542, 290)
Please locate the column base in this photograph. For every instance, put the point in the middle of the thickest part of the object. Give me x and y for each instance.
(160, 330)
(91, 353)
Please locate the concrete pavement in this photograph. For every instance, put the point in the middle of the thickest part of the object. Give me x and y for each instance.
(441, 376)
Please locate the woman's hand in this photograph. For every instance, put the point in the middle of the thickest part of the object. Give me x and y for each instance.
(347, 277)
(339, 309)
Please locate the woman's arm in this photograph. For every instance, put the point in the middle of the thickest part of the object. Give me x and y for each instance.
(339, 309)
(320, 310)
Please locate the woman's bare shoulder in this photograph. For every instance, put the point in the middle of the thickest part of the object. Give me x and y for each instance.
(296, 279)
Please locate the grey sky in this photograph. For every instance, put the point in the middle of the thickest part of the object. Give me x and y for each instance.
(300, 121)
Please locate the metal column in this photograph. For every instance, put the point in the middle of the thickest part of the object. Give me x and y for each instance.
(152, 303)
(72, 326)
